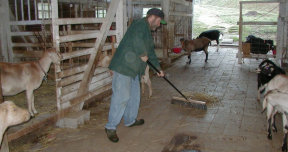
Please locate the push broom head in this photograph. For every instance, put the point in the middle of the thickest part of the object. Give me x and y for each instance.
(195, 100)
(189, 103)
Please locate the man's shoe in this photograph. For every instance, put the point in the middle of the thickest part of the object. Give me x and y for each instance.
(137, 123)
(111, 134)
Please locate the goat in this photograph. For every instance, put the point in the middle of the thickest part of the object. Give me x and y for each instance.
(258, 45)
(266, 70)
(196, 45)
(146, 79)
(11, 115)
(278, 83)
(276, 101)
(18, 77)
(212, 35)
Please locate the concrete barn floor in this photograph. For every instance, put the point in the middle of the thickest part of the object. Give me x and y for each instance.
(234, 124)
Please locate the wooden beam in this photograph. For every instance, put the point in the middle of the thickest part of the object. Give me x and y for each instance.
(66, 21)
(6, 30)
(257, 23)
(72, 71)
(180, 14)
(182, 2)
(107, 46)
(256, 56)
(166, 35)
(4, 25)
(33, 22)
(120, 27)
(98, 47)
(29, 10)
(26, 33)
(253, 2)
(90, 31)
(77, 37)
(56, 45)
(85, 35)
(78, 53)
(240, 34)
(30, 45)
(35, 54)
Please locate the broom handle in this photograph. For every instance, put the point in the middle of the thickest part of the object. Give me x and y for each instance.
(150, 64)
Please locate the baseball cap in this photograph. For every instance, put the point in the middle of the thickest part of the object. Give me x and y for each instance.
(157, 12)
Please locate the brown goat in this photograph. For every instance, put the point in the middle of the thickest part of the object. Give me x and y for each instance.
(195, 45)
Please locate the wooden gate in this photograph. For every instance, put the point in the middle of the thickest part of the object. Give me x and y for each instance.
(78, 83)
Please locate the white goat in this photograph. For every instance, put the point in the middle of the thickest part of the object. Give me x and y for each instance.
(18, 77)
(275, 101)
(146, 79)
(11, 115)
(279, 82)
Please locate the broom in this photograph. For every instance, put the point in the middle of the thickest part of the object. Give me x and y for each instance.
(184, 101)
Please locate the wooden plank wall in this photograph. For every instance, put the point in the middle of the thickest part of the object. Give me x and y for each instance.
(81, 81)
(181, 21)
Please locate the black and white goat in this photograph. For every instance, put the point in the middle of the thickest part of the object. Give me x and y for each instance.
(276, 101)
(266, 70)
(258, 45)
(212, 35)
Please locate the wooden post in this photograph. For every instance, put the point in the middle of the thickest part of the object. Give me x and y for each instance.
(166, 31)
(7, 51)
(192, 17)
(285, 33)
(130, 11)
(56, 44)
(120, 21)
(280, 33)
(240, 35)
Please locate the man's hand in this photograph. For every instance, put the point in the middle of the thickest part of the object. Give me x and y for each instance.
(161, 74)
(111, 72)
(144, 58)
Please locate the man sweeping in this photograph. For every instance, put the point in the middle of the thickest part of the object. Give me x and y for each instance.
(128, 65)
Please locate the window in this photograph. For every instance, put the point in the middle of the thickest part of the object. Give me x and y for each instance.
(145, 10)
(44, 10)
(100, 13)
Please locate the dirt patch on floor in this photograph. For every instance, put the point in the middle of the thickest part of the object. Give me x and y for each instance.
(183, 143)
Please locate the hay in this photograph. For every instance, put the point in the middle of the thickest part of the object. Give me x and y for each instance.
(209, 99)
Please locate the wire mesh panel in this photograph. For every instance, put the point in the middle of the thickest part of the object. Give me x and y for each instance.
(258, 28)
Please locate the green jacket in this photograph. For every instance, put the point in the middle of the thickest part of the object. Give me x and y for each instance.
(136, 42)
